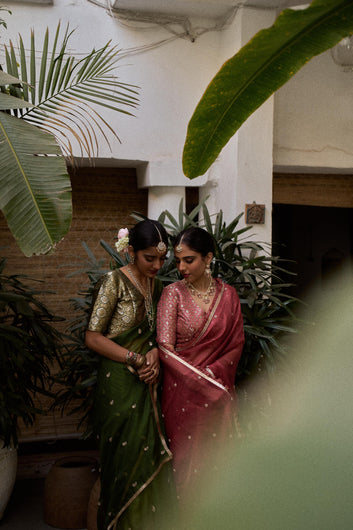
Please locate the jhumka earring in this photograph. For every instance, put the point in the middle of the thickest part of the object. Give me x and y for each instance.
(208, 271)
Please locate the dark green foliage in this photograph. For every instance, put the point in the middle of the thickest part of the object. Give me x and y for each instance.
(239, 261)
(29, 345)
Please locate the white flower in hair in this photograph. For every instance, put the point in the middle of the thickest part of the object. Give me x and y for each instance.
(123, 240)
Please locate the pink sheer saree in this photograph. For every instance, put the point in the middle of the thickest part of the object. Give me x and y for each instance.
(199, 352)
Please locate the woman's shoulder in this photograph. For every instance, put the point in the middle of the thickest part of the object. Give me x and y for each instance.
(229, 289)
(111, 278)
(173, 290)
(113, 275)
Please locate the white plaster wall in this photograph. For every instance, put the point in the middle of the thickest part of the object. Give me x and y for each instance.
(243, 171)
(255, 140)
(314, 119)
(172, 74)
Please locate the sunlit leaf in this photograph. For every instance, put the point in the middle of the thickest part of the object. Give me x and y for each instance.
(262, 66)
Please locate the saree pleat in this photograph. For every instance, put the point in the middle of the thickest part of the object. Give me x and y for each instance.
(136, 477)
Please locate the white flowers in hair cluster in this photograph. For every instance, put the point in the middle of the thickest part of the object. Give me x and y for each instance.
(123, 240)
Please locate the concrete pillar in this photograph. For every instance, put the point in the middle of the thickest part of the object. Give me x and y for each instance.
(166, 185)
(255, 141)
(162, 198)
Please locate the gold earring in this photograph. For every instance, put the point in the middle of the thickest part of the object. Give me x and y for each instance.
(208, 270)
(132, 260)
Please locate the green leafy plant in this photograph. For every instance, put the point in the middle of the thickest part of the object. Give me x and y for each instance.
(45, 110)
(79, 365)
(239, 261)
(256, 275)
(253, 74)
(29, 345)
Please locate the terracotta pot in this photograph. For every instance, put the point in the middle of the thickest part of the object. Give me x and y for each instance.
(8, 470)
(67, 490)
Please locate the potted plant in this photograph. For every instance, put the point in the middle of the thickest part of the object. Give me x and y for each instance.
(29, 345)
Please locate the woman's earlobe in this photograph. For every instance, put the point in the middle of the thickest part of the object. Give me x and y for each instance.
(209, 258)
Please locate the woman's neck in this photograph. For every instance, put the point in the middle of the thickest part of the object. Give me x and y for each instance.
(140, 279)
(202, 284)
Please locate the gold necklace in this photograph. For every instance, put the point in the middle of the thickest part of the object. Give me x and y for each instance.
(147, 296)
(206, 296)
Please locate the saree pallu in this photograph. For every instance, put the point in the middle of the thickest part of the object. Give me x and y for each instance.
(136, 476)
(199, 409)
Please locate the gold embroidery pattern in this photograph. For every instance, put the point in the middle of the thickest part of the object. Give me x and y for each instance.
(118, 305)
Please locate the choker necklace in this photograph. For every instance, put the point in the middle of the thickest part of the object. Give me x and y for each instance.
(147, 295)
(206, 296)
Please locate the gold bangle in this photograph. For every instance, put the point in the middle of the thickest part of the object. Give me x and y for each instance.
(140, 361)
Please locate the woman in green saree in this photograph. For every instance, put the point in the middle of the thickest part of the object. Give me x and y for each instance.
(136, 478)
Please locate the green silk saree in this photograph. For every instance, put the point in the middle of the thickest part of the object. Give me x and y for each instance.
(137, 486)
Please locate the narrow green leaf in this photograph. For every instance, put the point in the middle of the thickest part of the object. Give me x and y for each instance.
(194, 213)
(218, 225)
(172, 220)
(181, 213)
(43, 66)
(207, 219)
(23, 70)
(33, 68)
(69, 72)
(14, 67)
(49, 88)
(62, 73)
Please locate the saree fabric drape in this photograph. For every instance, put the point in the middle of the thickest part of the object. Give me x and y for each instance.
(199, 400)
(136, 476)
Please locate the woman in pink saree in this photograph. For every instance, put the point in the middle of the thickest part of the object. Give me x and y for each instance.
(200, 336)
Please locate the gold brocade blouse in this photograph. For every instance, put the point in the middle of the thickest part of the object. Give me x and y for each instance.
(117, 306)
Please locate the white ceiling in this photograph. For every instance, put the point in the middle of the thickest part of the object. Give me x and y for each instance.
(198, 8)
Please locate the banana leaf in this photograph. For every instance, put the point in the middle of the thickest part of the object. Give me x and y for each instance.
(251, 76)
(35, 187)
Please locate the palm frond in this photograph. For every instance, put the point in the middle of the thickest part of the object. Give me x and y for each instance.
(65, 92)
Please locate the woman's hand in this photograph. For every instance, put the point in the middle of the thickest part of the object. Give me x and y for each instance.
(149, 372)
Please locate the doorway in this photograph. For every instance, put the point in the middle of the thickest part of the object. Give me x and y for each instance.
(318, 241)
(312, 226)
